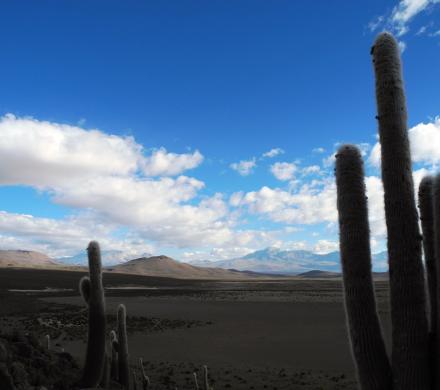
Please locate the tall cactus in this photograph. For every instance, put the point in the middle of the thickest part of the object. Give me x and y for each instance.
(124, 370)
(373, 367)
(410, 364)
(426, 206)
(436, 338)
(92, 291)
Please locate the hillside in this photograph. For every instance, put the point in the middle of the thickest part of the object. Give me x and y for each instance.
(168, 267)
(24, 258)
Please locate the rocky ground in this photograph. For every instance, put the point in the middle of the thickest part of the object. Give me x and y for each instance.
(288, 335)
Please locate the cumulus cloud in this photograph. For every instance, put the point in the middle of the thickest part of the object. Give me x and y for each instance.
(244, 167)
(424, 142)
(273, 152)
(311, 169)
(308, 205)
(283, 170)
(63, 237)
(119, 186)
(161, 163)
(46, 154)
(326, 246)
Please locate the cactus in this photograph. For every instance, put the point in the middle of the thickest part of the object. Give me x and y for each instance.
(205, 377)
(114, 348)
(196, 382)
(124, 371)
(426, 216)
(92, 291)
(436, 297)
(105, 380)
(410, 363)
(144, 377)
(373, 367)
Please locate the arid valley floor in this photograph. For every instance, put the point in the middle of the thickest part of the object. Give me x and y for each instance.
(285, 334)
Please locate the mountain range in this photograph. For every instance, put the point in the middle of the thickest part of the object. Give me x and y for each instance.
(277, 261)
(109, 257)
(263, 263)
(167, 267)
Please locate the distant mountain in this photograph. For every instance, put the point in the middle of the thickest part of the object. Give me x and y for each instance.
(168, 267)
(109, 257)
(23, 258)
(317, 274)
(276, 261)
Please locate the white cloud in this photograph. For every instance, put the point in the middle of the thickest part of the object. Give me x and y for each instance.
(63, 237)
(162, 163)
(244, 167)
(273, 152)
(283, 170)
(405, 11)
(45, 154)
(318, 150)
(326, 246)
(402, 46)
(401, 15)
(110, 177)
(311, 169)
(424, 141)
(309, 205)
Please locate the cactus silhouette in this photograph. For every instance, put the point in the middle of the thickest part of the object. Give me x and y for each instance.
(426, 207)
(367, 343)
(122, 344)
(436, 331)
(114, 348)
(410, 363)
(92, 291)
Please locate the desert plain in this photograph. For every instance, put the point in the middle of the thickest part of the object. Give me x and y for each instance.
(286, 333)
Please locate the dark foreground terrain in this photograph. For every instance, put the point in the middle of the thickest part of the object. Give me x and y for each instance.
(287, 334)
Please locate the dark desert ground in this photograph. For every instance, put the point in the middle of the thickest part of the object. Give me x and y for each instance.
(270, 334)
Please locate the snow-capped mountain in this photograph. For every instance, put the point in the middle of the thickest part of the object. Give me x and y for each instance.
(278, 261)
(109, 257)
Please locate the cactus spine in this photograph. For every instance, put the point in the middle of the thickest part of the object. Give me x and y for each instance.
(124, 370)
(92, 291)
(373, 367)
(410, 363)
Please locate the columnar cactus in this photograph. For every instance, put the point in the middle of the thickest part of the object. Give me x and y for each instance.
(436, 297)
(114, 347)
(124, 370)
(426, 216)
(410, 363)
(144, 377)
(368, 346)
(92, 291)
(206, 379)
(196, 382)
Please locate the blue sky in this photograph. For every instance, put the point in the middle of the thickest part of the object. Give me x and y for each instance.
(199, 129)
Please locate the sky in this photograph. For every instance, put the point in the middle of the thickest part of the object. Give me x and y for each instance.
(199, 129)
